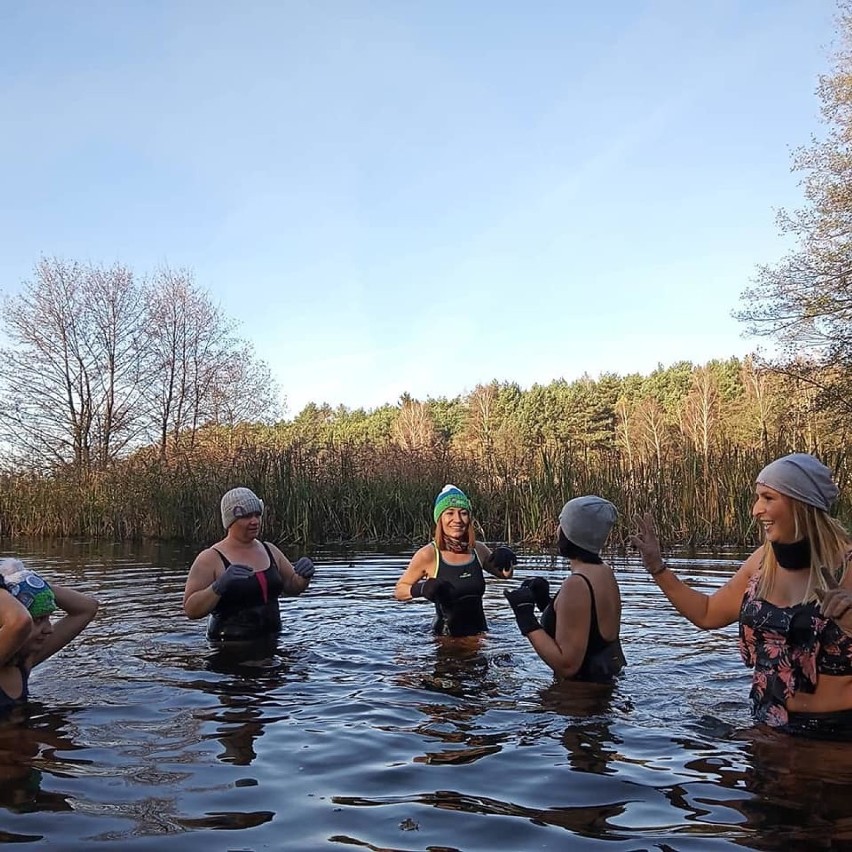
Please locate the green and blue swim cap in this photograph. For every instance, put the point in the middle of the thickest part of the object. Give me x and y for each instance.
(450, 498)
(28, 587)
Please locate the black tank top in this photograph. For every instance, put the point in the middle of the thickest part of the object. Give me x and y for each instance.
(603, 660)
(250, 609)
(465, 617)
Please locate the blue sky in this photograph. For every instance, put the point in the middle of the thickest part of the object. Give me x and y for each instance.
(418, 196)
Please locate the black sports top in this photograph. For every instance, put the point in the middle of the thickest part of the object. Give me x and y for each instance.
(249, 610)
(603, 660)
(465, 616)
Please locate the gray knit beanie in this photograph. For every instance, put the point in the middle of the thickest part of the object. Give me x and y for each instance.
(587, 521)
(239, 502)
(802, 477)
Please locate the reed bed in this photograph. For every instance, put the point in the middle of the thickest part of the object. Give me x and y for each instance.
(362, 493)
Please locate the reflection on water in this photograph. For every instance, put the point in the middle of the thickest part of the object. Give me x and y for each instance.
(358, 728)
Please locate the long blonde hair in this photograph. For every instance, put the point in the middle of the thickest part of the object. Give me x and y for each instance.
(831, 546)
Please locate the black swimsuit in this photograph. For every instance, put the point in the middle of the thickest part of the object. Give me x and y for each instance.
(6, 701)
(465, 617)
(603, 660)
(250, 608)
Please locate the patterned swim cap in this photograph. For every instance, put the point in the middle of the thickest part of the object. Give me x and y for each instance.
(28, 587)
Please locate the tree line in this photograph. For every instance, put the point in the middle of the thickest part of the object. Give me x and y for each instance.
(128, 404)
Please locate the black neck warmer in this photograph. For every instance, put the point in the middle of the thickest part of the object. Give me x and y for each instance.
(793, 557)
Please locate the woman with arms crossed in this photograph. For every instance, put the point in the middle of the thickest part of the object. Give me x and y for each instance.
(791, 597)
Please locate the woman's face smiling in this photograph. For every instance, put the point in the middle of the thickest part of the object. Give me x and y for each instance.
(774, 512)
(455, 522)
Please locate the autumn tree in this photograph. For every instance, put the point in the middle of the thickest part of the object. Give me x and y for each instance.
(700, 411)
(804, 302)
(414, 429)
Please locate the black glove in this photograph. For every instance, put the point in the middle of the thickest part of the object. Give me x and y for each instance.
(540, 589)
(523, 604)
(438, 591)
(503, 558)
(304, 567)
(230, 576)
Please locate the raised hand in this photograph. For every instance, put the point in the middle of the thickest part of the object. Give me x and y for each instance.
(540, 589)
(646, 542)
(229, 576)
(503, 559)
(304, 567)
(522, 602)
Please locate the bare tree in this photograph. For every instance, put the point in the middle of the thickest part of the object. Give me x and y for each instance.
(700, 410)
(69, 375)
(199, 373)
(99, 362)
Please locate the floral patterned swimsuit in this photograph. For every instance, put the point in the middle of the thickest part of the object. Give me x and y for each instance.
(788, 647)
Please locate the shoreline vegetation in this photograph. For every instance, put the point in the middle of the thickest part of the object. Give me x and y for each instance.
(686, 441)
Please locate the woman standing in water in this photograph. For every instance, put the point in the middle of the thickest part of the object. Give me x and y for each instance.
(578, 636)
(449, 571)
(792, 598)
(238, 580)
(26, 604)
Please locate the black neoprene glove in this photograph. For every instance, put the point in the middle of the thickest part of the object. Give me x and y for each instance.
(304, 567)
(503, 558)
(540, 589)
(522, 601)
(438, 591)
(229, 576)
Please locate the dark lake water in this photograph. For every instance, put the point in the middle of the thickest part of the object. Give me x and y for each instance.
(360, 731)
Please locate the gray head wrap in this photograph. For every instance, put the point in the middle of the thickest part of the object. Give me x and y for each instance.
(802, 477)
(587, 521)
(238, 503)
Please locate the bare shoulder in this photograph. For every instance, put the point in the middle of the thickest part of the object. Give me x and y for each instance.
(422, 561)
(573, 590)
(425, 552)
(274, 550)
(209, 557)
(752, 564)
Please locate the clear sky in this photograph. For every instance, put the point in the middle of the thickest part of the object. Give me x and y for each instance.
(418, 196)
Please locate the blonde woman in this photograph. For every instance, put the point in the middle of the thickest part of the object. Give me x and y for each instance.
(792, 598)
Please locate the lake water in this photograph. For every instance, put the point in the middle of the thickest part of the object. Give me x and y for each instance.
(361, 731)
